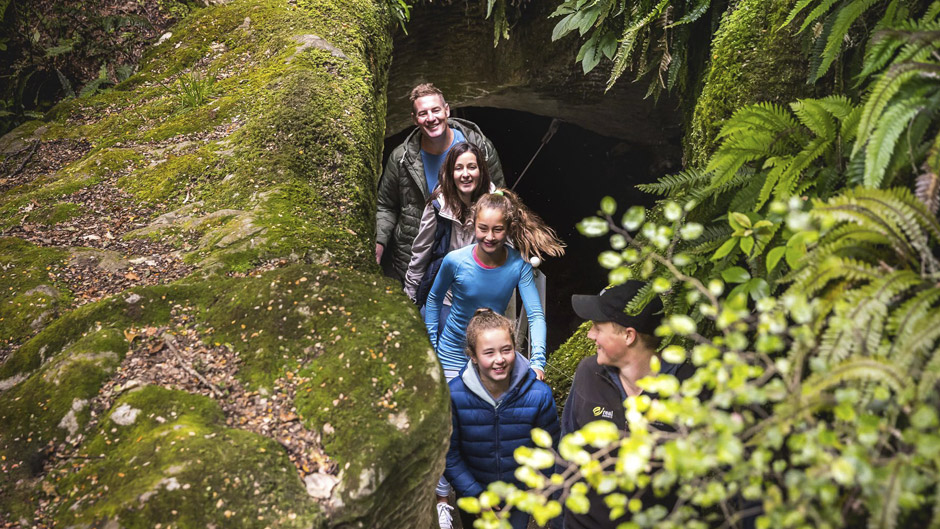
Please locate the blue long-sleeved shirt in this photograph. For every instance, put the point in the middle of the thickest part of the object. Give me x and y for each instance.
(473, 287)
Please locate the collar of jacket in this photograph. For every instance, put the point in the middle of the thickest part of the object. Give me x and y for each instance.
(471, 379)
(447, 212)
(412, 153)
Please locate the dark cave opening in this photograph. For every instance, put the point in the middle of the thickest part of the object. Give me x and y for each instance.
(564, 184)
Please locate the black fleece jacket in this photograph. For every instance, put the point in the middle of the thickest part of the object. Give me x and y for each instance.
(595, 396)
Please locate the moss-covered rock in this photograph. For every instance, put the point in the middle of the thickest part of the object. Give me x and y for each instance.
(753, 60)
(29, 298)
(169, 459)
(267, 187)
(373, 387)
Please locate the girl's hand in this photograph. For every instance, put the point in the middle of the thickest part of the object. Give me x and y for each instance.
(539, 374)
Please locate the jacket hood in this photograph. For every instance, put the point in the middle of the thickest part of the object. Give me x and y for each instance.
(469, 129)
(471, 379)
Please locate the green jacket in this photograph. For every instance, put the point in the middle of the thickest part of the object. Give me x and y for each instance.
(403, 191)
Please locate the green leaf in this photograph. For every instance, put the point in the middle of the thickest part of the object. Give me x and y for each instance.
(619, 275)
(608, 205)
(633, 218)
(742, 220)
(592, 227)
(735, 274)
(609, 259)
(774, 256)
(725, 249)
(747, 244)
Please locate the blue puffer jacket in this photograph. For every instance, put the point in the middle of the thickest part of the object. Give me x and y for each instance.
(486, 432)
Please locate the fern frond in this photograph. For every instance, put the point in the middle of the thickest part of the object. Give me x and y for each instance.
(929, 376)
(881, 146)
(927, 186)
(814, 276)
(881, 213)
(881, 94)
(886, 501)
(753, 132)
(642, 298)
(712, 237)
(817, 12)
(676, 184)
(918, 340)
(746, 199)
(629, 39)
(853, 370)
(816, 148)
(839, 106)
(814, 115)
(856, 325)
(698, 9)
(844, 20)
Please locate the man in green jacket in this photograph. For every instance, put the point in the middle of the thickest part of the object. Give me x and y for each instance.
(412, 172)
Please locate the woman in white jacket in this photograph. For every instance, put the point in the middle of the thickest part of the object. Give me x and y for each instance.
(463, 180)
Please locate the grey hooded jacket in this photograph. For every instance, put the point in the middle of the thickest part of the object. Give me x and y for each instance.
(403, 191)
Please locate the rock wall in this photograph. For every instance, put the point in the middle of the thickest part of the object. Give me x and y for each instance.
(194, 332)
(451, 45)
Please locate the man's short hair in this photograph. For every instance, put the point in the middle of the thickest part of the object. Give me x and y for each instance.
(647, 340)
(424, 89)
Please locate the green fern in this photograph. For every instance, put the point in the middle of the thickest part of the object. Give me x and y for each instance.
(670, 185)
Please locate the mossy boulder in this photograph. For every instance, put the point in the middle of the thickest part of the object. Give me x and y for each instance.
(753, 59)
(264, 186)
(559, 373)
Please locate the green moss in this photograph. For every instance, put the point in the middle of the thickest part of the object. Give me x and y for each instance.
(562, 364)
(29, 299)
(167, 181)
(54, 214)
(299, 161)
(86, 172)
(752, 61)
(39, 412)
(177, 464)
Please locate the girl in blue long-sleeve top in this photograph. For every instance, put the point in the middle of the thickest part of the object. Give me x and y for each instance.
(495, 402)
(485, 275)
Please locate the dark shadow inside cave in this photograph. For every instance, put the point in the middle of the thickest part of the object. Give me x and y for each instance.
(564, 184)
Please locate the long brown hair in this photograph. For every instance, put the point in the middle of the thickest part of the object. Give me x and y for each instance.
(527, 231)
(446, 178)
(485, 319)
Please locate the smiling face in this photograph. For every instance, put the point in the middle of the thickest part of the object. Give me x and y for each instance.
(490, 229)
(430, 114)
(466, 176)
(494, 357)
(611, 344)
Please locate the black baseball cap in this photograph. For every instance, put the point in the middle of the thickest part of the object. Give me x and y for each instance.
(609, 305)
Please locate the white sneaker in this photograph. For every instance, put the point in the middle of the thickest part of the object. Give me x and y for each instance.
(444, 518)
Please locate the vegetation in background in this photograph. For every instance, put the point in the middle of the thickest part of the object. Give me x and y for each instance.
(56, 49)
(799, 268)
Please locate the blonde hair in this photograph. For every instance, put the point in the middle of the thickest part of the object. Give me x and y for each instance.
(484, 319)
(527, 231)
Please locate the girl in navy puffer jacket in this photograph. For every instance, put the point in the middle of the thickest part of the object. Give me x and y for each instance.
(496, 401)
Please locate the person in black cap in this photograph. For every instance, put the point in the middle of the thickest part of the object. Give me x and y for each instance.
(625, 344)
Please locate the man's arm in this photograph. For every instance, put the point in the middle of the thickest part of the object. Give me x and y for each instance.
(388, 205)
(493, 164)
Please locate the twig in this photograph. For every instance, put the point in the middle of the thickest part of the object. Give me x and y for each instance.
(172, 347)
(29, 157)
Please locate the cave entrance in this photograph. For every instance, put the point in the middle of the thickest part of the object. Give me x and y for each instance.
(563, 185)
